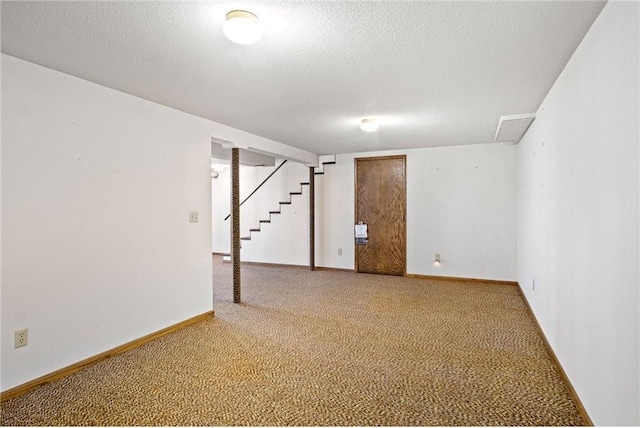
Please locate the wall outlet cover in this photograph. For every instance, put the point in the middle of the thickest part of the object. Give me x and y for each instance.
(20, 338)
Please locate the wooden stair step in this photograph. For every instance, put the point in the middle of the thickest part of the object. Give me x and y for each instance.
(246, 238)
(265, 221)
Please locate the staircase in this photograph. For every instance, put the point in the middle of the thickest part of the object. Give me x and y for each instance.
(324, 160)
(320, 170)
(271, 213)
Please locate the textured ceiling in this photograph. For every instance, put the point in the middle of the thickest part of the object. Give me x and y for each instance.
(434, 73)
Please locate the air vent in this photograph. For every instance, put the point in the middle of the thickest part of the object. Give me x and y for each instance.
(512, 128)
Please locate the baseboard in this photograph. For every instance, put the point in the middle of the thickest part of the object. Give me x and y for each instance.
(73, 368)
(276, 265)
(574, 395)
(332, 269)
(263, 264)
(455, 278)
(282, 265)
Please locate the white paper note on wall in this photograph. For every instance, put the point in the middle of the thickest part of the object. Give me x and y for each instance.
(361, 230)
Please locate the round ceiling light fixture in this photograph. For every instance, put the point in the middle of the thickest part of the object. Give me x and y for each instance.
(369, 125)
(242, 27)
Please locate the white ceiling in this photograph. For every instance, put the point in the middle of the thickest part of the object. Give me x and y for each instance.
(434, 73)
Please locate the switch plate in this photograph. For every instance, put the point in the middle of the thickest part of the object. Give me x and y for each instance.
(20, 338)
(193, 217)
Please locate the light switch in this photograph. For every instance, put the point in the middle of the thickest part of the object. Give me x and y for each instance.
(193, 217)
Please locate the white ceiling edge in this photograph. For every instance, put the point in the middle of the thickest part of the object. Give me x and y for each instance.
(511, 128)
(247, 157)
(269, 148)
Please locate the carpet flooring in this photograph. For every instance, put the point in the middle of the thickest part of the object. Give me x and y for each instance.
(325, 348)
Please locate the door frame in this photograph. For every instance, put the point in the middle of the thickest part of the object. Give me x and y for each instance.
(355, 202)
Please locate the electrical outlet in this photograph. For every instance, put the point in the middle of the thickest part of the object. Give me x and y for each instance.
(20, 338)
(339, 251)
(193, 217)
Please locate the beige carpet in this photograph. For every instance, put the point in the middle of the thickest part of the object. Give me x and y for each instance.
(325, 348)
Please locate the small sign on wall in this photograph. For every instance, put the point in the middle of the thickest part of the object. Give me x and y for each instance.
(361, 234)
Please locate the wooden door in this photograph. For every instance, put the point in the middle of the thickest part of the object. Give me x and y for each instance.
(380, 199)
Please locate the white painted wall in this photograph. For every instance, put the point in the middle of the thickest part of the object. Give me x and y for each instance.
(578, 233)
(460, 203)
(220, 208)
(97, 247)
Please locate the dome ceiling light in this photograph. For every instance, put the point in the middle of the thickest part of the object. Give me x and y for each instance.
(369, 125)
(242, 27)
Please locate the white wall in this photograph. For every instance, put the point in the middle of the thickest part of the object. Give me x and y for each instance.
(97, 247)
(460, 203)
(578, 217)
(221, 207)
